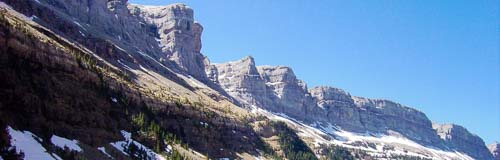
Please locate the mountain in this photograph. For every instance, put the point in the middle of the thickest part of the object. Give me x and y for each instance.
(93, 79)
(494, 149)
(459, 138)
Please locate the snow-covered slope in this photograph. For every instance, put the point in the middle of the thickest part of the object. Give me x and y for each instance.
(31, 146)
(377, 145)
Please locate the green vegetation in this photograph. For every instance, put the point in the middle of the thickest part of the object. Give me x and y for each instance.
(333, 152)
(293, 147)
(150, 130)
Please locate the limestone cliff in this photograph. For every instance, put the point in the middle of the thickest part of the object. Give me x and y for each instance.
(495, 150)
(178, 34)
(457, 137)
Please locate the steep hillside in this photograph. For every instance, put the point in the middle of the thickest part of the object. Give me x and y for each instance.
(94, 79)
(53, 86)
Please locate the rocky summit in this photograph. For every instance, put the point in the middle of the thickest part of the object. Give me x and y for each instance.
(107, 79)
(459, 138)
(495, 150)
(177, 33)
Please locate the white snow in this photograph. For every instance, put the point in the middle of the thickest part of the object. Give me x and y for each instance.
(81, 33)
(120, 48)
(168, 149)
(103, 150)
(27, 142)
(57, 157)
(63, 142)
(79, 25)
(403, 146)
(128, 140)
(33, 17)
(204, 124)
(125, 66)
(194, 81)
(114, 99)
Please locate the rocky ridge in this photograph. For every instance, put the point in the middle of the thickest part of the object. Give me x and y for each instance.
(457, 137)
(277, 89)
(495, 150)
(135, 34)
(360, 114)
(178, 34)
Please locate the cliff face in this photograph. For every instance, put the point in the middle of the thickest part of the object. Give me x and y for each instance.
(241, 80)
(290, 94)
(155, 47)
(459, 138)
(52, 85)
(360, 114)
(276, 88)
(178, 34)
(87, 19)
(495, 150)
(272, 88)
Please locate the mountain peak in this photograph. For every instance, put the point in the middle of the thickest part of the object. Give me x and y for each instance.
(495, 150)
(460, 138)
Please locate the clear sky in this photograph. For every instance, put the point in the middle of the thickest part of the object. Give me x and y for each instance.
(441, 57)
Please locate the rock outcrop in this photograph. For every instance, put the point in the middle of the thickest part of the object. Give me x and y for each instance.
(241, 80)
(274, 88)
(358, 114)
(459, 138)
(495, 150)
(178, 34)
(123, 32)
(290, 94)
(277, 89)
(85, 20)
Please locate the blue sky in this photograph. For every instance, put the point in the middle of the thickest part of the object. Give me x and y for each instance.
(441, 57)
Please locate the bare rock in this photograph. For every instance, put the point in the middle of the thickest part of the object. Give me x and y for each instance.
(241, 80)
(495, 150)
(358, 114)
(459, 138)
(178, 34)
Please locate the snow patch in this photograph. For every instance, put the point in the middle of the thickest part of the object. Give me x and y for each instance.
(79, 25)
(33, 17)
(103, 150)
(125, 66)
(63, 142)
(120, 145)
(402, 146)
(168, 149)
(81, 33)
(28, 143)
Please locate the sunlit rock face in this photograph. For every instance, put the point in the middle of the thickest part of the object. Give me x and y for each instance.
(289, 94)
(85, 20)
(178, 34)
(459, 138)
(360, 114)
(241, 80)
(270, 87)
(276, 88)
(495, 150)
